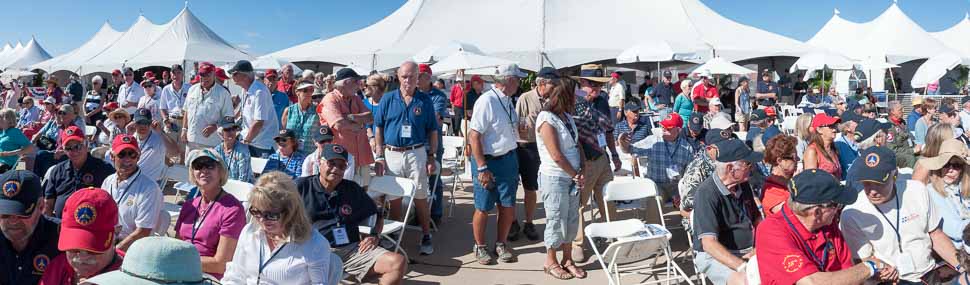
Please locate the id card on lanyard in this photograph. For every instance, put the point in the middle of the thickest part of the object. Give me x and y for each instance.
(406, 122)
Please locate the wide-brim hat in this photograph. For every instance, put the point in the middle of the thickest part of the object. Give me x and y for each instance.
(593, 72)
(157, 260)
(949, 149)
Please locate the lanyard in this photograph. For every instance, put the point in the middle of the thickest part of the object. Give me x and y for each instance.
(142, 145)
(125, 189)
(262, 264)
(506, 109)
(228, 157)
(197, 224)
(407, 116)
(899, 239)
(821, 264)
(667, 148)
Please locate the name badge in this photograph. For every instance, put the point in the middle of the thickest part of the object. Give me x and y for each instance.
(340, 236)
(406, 131)
(601, 140)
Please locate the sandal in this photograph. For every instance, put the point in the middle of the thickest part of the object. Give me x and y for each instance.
(556, 271)
(576, 271)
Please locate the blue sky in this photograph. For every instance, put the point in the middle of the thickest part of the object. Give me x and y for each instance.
(267, 26)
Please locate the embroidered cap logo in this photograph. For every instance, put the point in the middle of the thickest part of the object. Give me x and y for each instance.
(872, 160)
(11, 188)
(85, 214)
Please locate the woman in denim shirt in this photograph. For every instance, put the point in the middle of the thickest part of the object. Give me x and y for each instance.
(233, 153)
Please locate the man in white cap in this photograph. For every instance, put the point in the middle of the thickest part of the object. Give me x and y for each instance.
(495, 168)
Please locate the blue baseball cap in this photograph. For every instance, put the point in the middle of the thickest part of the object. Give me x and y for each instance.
(874, 164)
(816, 187)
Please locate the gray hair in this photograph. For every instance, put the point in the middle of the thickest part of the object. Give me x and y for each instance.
(9, 115)
(892, 105)
(319, 75)
(721, 167)
(340, 83)
(871, 141)
(408, 63)
(97, 79)
(799, 208)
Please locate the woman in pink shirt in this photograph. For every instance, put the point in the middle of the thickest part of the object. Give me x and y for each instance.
(213, 221)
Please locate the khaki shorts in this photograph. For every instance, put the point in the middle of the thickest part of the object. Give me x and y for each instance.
(358, 263)
(362, 175)
(410, 164)
(741, 117)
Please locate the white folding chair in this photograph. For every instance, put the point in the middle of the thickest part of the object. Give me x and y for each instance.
(164, 222)
(788, 126)
(633, 243)
(179, 174)
(240, 190)
(396, 187)
(633, 189)
(172, 209)
(453, 159)
(258, 164)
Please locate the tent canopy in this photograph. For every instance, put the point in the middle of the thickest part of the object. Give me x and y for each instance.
(891, 34)
(957, 37)
(73, 59)
(544, 33)
(186, 38)
(30, 54)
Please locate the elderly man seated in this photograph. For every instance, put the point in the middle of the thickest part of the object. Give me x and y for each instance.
(725, 213)
(87, 239)
(668, 154)
(29, 239)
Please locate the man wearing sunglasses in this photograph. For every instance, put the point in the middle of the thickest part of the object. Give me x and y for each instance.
(130, 92)
(138, 196)
(205, 105)
(725, 213)
(895, 221)
(29, 241)
(80, 170)
(802, 242)
(336, 208)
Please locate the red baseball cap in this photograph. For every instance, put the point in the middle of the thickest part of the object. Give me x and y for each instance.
(206, 68)
(110, 107)
(424, 68)
(615, 75)
(770, 111)
(88, 221)
(673, 120)
(195, 79)
(148, 74)
(271, 73)
(822, 119)
(72, 133)
(122, 142)
(116, 72)
(476, 78)
(221, 74)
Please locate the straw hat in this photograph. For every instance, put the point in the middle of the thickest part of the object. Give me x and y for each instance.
(949, 149)
(593, 72)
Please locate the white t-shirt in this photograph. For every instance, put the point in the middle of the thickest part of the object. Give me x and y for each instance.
(139, 202)
(171, 101)
(311, 165)
(617, 92)
(567, 144)
(258, 105)
(130, 93)
(869, 231)
(204, 110)
(494, 117)
(307, 262)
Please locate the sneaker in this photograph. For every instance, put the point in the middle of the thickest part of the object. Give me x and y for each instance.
(530, 232)
(504, 253)
(482, 255)
(514, 232)
(426, 247)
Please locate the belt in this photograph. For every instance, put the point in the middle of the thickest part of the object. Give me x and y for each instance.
(494, 157)
(404, 148)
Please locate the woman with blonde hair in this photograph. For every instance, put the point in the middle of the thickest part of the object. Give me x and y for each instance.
(949, 178)
(684, 105)
(278, 244)
(935, 136)
(802, 132)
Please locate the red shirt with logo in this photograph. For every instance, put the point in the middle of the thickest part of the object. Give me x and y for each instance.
(787, 253)
(60, 271)
(705, 91)
(287, 87)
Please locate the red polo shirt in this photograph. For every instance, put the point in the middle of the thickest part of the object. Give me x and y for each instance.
(287, 87)
(60, 271)
(703, 91)
(782, 254)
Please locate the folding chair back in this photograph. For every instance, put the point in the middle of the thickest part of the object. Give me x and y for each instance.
(258, 164)
(240, 190)
(634, 242)
(397, 187)
(633, 189)
(788, 126)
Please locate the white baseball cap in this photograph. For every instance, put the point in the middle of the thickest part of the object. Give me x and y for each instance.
(510, 70)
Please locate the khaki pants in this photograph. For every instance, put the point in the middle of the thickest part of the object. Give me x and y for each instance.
(597, 173)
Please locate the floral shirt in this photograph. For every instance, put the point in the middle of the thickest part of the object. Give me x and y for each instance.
(699, 169)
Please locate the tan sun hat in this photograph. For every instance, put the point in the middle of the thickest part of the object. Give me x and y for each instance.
(593, 72)
(949, 149)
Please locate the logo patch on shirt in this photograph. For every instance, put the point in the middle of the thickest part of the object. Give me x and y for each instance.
(11, 188)
(890, 137)
(417, 111)
(910, 217)
(85, 214)
(346, 210)
(792, 263)
(131, 202)
(872, 160)
(324, 131)
(40, 262)
(87, 178)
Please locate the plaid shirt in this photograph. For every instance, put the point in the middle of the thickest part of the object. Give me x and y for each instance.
(641, 129)
(292, 165)
(591, 123)
(667, 160)
(700, 167)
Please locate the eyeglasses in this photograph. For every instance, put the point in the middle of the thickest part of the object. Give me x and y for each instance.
(269, 216)
(208, 164)
(129, 74)
(316, 97)
(953, 165)
(831, 205)
(281, 141)
(336, 164)
(74, 147)
(127, 154)
(372, 85)
(62, 113)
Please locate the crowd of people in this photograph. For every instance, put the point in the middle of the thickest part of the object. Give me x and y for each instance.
(827, 201)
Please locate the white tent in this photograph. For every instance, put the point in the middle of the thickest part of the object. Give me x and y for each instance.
(822, 59)
(719, 65)
(113, 56)
(269, 62)
(467, 60)
(186, 38)
(934, 68)
(10, 55)
(6, 50)
(541, 32)
(661, 50)
(435, 53)
(892, 34)
(957, 37)
(30, 54)
(73, 59)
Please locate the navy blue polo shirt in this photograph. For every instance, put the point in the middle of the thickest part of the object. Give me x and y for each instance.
(27, 266)
(392, 115)
(440, 102)
(64, 180)
(347, 206)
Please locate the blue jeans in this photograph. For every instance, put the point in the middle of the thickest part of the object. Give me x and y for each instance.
(505, 170)
(561, 199)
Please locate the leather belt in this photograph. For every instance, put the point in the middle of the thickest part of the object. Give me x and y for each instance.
(404, 148)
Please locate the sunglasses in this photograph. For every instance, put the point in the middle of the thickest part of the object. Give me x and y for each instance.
(269, 216)
(953, 165)
(75, 147)
(337, 164)
(129, 74)
(792, 158)
(127, 154)
(316, 97)
(204, 165)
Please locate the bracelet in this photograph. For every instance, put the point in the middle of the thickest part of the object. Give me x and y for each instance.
(872, 268)
(483, 168)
